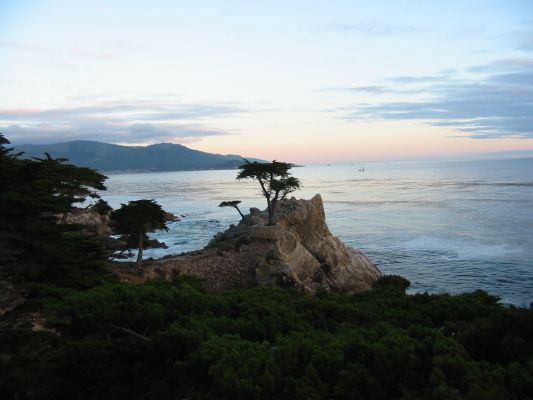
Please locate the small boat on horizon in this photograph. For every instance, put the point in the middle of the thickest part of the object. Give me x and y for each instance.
(362, 169)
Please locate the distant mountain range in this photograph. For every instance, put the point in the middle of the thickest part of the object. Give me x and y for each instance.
(108, 157)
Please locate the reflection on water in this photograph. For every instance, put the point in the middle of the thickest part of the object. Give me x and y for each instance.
(446, 226)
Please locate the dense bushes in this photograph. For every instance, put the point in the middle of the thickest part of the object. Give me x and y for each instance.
(172, 340)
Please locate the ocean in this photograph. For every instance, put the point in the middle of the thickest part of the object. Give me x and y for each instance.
(450, 226)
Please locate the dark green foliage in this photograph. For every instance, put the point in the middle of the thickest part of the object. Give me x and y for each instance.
(5, 151)
(102, 207)
(274, 180)
(138, 215)
(137, 218)
(171, 340)
(34, 246)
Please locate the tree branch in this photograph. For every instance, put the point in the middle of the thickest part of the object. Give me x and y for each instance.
(130, 332)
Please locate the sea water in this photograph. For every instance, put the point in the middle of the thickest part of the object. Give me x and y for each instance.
(446, 226)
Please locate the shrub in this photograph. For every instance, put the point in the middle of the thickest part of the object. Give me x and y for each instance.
(170, 340)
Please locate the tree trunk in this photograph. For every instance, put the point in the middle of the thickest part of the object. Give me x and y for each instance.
(267, 196)
(140, 253)
(272, 211)
(242, 215)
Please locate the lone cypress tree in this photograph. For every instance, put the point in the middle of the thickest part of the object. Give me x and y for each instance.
(234, 204)
(137, 218)
(274, 179)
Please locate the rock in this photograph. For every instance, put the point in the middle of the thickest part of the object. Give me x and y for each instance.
(122, 255)
(115, 243)
(169, 217)
(308, 255)
(91, 221)
(155, 244)
(298, 251)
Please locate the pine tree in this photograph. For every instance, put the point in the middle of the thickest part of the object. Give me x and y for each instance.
(137, 218)
(34, 246)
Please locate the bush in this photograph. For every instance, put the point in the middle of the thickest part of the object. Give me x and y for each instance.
(167, 340)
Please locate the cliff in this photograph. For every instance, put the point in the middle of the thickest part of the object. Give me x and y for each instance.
(298, 251)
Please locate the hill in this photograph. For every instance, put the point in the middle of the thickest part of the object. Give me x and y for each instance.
(111, 157)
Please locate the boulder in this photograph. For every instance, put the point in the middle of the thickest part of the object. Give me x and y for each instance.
(155, 244)
(169, 217)
(297, 251)
(92, 222)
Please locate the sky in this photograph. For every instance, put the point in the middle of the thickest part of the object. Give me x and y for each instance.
(299, 81)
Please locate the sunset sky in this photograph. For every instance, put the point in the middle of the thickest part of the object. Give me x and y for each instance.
(302, 81)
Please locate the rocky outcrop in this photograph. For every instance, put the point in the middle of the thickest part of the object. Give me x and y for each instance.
(298, 251)
(169, 217)
(91, 221)
(307, 255)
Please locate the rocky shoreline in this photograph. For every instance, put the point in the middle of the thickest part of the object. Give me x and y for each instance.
(298, 251)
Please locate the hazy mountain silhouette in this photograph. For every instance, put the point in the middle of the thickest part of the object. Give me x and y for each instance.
(112, 157)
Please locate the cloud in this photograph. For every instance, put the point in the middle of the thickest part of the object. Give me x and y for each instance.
(368, 89)
(135, 133)
(116, 122)
(403, 85)
(496, 105)
(415, 79)
(371, 28)
(123, 110)
(503, 65)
